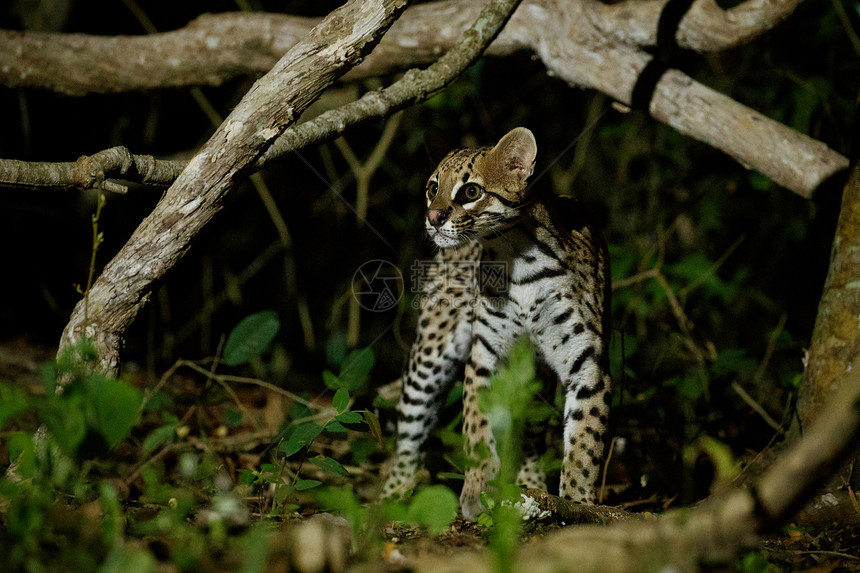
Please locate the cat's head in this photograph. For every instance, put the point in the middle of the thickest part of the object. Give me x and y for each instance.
(475, 193)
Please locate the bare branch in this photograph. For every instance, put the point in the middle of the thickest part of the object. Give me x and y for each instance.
(89, 170)
(415, 86)
(195, 197)
(215, 48)
(704, 28)
(585, 42)
(790, 158)
(340, 41)
(209, 51)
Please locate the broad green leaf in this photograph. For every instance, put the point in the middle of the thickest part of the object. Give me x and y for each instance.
(116, 406)
(159, 436)
(23, 451)
(349, 418)
(332, 381)
(49, 378)
(355, 369)
(300, 437)
(344, 501)
(251, 337)
(340, 401)
(393, 509)
(335, 348)
(330, 465)
(304, 484)
(362, 449)
(66, 422)
(434, 507)
(13, 401)
(335, 426)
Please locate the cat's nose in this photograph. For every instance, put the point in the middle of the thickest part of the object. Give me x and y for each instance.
(437, 217)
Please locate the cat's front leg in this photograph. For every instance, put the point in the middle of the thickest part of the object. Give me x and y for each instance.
(493, 332)
(434, 361)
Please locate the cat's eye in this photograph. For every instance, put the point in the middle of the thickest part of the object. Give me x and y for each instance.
(432, 189)
(470, 192)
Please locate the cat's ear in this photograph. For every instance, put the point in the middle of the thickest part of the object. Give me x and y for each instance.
(516, 152)
(438, 144)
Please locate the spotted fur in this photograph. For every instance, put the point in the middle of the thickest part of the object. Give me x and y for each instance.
(484, 217)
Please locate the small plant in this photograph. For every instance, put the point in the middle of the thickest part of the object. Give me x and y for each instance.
(82, 423)
(510, 405)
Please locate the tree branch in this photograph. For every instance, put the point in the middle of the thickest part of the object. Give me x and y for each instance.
(835, 336)
(704, 28)
(215, 48)
(336, 44)
(195, 197)
(587, 43)
(89, 170)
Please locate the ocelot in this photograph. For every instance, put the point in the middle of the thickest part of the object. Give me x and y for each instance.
(513, 261)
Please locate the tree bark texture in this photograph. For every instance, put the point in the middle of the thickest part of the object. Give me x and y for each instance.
(587, 43)
(336, 44)
(216, 48)
(836, 335)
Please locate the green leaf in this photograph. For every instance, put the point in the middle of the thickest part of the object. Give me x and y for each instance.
(332, 381)
(434, 507)
(362, 449)
(300, 437)
(335, 426)
(340, 401)
(304, 484)
(349, 418)
(247, 477)
(23, 451)
(356, 368)
(66, 422)
(330, 465)
(231, 418)
(344, 501)
(251, 337)
(115, 405)
(335, 348)
(159, 436)
(13, 401)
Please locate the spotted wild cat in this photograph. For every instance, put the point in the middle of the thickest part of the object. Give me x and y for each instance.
(487, 221)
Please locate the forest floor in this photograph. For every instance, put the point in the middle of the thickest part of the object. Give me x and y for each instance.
(204, 484)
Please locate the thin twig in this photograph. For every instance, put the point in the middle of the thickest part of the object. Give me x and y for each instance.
(606, 469)
(635, 279)
(709, 272)
(771, 346)
(757, 407)
(253, 381)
